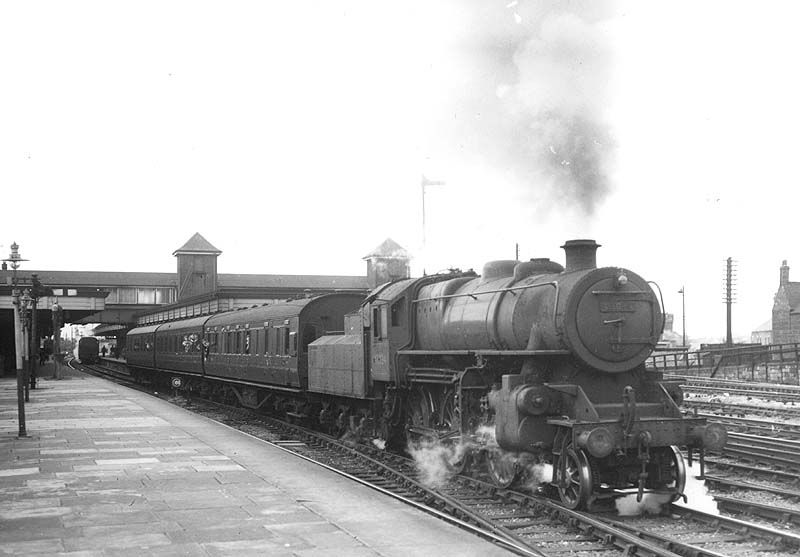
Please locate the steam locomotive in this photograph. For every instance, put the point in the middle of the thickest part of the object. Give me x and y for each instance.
(529, 363)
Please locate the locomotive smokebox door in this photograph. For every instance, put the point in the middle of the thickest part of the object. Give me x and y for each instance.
(612, 320)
